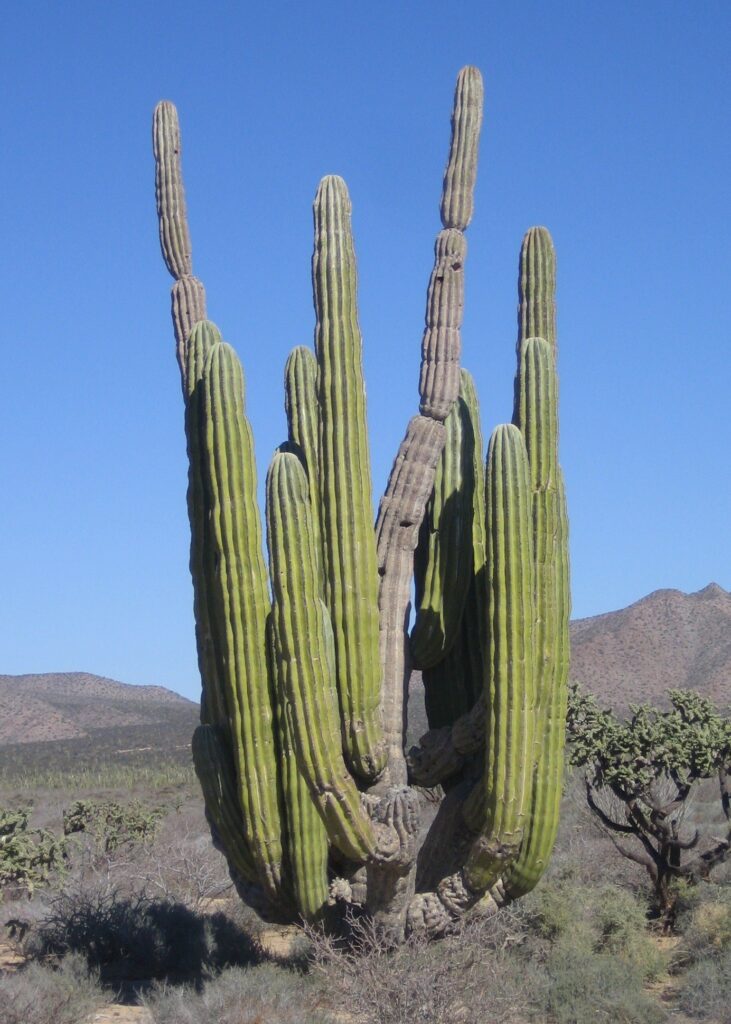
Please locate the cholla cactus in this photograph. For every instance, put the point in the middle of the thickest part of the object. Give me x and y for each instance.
(300, 752)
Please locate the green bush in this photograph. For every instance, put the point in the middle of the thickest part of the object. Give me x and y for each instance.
(706, 924)
(705, 993)
(112, 825)
(599, 987)
(249, 995)
(28, 857)
(603, 919)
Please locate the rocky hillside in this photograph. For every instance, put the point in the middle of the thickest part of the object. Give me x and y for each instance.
(667, 640)
(72, 705)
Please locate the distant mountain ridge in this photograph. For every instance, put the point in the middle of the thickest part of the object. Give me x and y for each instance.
(70, 705)
(667, 640)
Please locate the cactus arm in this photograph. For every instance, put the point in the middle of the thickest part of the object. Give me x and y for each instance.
(441, 345)
(217, 776)
(306, 841)
(537, 287)
(351, 569)
(202, 339)
(169, 191)
(188, 307)
(536, 414)
(510, 697)
(303, 423)
(240, 604)
(304, 652)
(443, 562)
(461, 172)
(188, 293)
(397, 532)
(412, 478)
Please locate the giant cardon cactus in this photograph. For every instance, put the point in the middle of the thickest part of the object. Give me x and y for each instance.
(306, 665)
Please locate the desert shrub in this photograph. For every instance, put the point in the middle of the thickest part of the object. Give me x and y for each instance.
(585, 985)
(603, 919)
(266, 992)
(112, 825)
(475, 975)
(705, 992)
(184, 868)
(706, 923)
(42, 994)
(133, 937)
(28, 857)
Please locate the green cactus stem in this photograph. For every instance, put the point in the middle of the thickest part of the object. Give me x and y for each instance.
(412, 478)
(213, 701)
(239, 602)
(216, 774)
(504, 793)
(351, 568)
(461, 173)
(305, 659)
(537, 287)
(306, 842)
(443, 562)
(169, 191)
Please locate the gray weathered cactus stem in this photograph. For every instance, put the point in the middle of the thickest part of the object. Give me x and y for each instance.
(305, 669)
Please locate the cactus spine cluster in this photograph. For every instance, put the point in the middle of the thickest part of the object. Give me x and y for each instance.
(305, 667)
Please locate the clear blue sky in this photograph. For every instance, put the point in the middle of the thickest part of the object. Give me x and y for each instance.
(608, 122)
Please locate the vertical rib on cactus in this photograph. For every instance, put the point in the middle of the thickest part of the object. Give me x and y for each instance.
(351, 568)
(303, 423)
(443, 561)
(306, 837)
(304, 655)
(202, 339)
(240, 603)
(537, 287)
(504, 791)
(461, 172)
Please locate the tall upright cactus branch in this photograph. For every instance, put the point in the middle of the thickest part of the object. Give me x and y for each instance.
(402, 507)
(169, 191)
(510, 697)
(351, 569)
(188, 293)
(202, 339)
(461, 172)
(305, 655)
(537, 287)
(536, 414)
(306, 840)
(240, 604)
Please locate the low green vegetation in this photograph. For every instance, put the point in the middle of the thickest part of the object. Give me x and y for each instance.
(151, 913)
(28, 856)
